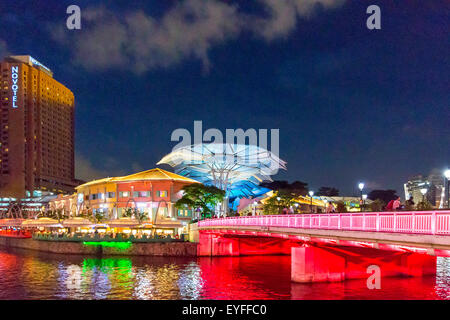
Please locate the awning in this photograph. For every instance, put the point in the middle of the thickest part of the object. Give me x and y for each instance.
(146, 225)
(41, 222)
(168, 224)
(11, 222)
(77, 222)
(123, 223)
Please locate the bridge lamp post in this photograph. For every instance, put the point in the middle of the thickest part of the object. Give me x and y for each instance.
(326, 205)
(311, 193)
(447, 176)
(296, 207)
(361, 187)
(364, 196)
(423, 191)
(279, 207)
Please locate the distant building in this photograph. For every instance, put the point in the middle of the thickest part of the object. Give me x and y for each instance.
(353, 204)
(434, 183)
(25, 207)
(36, 130)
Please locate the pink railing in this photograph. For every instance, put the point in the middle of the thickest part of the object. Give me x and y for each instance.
(414, 222)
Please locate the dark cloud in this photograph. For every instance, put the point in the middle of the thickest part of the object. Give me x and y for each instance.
(190, 29)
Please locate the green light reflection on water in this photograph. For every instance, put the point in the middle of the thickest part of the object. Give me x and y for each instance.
(118, 245)
(118, 270)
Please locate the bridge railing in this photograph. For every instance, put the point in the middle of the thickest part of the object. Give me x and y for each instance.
(414, 222)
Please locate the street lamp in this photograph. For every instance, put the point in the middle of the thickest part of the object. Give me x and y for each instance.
(361, 187)
(424, 192)
(326, 207)
(279, 207)
(447, 176)
(364, 196)
(296, 207)
(311, 193)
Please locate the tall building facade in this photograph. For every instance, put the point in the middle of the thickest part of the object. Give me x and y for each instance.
(434, 183)
(37, 130)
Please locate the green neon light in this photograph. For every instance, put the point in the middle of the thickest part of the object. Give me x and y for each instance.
(110, 244)
(107, 265)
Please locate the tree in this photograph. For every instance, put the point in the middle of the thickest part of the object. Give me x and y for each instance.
(297, 187)
(129, 212)
(424, 205)
(328, 192)
(384, 195)
(275, 206)
(377, 205)
(139, 215)
(99, 216)
(275, 185)
(199, 196)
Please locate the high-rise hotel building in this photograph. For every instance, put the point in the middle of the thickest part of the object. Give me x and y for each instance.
(37, 130)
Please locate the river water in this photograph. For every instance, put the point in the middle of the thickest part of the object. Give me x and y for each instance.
(35, 275)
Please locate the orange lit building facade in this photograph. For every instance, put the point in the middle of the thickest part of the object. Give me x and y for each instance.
(37, 130)
(153, 191)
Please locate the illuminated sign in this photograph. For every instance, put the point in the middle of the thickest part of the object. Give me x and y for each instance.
(37, 63)
(15, 86)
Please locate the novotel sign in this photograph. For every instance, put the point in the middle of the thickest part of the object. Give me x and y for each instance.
(15, 85)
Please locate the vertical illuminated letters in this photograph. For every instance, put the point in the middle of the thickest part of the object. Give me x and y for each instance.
(15, 86)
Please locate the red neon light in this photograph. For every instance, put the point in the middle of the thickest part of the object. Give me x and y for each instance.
(417, 222)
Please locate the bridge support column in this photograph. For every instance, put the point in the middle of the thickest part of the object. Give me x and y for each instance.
(216, 245)
(212, 244)
(417, 265)
(327, 264)
(315, 264)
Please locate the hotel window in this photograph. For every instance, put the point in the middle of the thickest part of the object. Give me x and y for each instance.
(124, 194)
(161, 194)
(184, 213)
(135, 194)
(111, 194)
(144, 194)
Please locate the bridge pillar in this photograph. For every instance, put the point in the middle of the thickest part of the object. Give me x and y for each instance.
(216, 245)
(417, 265)
(315, 264)
(328, 264)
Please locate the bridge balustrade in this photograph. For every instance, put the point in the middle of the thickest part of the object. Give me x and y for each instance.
(417, 222)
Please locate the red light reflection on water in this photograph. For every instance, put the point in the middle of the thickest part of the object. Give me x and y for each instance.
(31, 275)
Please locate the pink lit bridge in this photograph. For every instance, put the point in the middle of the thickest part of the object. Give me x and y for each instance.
(335, 247)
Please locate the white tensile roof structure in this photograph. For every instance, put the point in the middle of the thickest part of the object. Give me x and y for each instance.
(227, 166)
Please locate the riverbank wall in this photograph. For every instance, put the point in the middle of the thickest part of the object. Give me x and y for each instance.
(169, 249)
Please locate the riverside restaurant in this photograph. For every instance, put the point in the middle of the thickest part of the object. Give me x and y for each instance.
(80, 229)
(140, 203)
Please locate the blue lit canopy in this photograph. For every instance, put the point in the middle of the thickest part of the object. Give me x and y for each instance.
(236, 168)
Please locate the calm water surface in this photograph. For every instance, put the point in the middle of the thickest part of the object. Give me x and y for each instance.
(35, 275)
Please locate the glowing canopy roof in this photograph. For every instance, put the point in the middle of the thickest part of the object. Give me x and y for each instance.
(236, 168)
(152, 174)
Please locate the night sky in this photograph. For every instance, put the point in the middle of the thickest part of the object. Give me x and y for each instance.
(351, 104)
